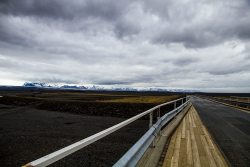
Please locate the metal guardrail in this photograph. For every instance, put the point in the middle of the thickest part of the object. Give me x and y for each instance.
(57, 155)
(237, 98)
(235, 102)
(135, 153)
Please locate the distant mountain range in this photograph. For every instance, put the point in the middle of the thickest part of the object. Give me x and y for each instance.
(53, 86)
(94, 87)
(39, 85)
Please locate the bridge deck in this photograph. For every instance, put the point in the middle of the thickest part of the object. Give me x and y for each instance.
(192, 145)
(229, 128)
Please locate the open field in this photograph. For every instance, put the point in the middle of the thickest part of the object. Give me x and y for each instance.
(27, 134)
(115, 104)
(238, 98)
(33, 124)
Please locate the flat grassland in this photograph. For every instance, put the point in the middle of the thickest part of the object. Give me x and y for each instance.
(36, 123)
(115, 104)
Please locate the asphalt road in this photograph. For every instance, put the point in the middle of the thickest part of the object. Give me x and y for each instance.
(229, 127)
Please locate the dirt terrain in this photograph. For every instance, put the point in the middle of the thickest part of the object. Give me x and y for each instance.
(27, 134)
(34, 124)
(115, 104)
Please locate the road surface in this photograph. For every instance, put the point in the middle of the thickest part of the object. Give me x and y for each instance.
(229, 127)
(191, 145)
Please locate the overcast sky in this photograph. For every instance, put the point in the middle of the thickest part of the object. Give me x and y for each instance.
(200, 44)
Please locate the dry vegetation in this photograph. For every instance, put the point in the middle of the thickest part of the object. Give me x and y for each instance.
(143, 99)
(116, 104)
(28, 117)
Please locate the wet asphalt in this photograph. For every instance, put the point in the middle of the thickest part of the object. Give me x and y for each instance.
(229, 127)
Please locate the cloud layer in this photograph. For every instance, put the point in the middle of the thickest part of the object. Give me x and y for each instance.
(200, 44)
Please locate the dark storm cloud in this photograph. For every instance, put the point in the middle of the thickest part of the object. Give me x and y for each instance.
(53, 80)
(124, 28)
(188, 37)
(136, 43)
(184, 61)
(219, 21)
(125, 79)
(63, 9)
(225, 71)
(244, 31)
(112, 82)
(8, 33)
(69, 13)
(193, 35)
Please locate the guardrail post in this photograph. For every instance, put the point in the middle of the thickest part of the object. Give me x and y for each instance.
(159, 113)
(175, 104)
(150, 119)
(150, 125)
(248, 102)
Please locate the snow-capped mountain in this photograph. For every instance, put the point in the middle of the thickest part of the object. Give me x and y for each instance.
(100, 88)
(53, 86)
(35, 84)
(73, 87)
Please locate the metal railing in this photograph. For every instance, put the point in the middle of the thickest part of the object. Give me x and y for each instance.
(240, 99)
(135, 153)
(235, 100)
(145, 140)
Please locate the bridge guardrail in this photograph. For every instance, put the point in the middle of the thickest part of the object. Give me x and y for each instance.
(57, 155)
(234, 102)
(135, 153)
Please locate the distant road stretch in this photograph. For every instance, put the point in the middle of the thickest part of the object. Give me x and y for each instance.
(229, 127)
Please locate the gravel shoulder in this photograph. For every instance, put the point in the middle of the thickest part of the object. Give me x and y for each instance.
(27, 134)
